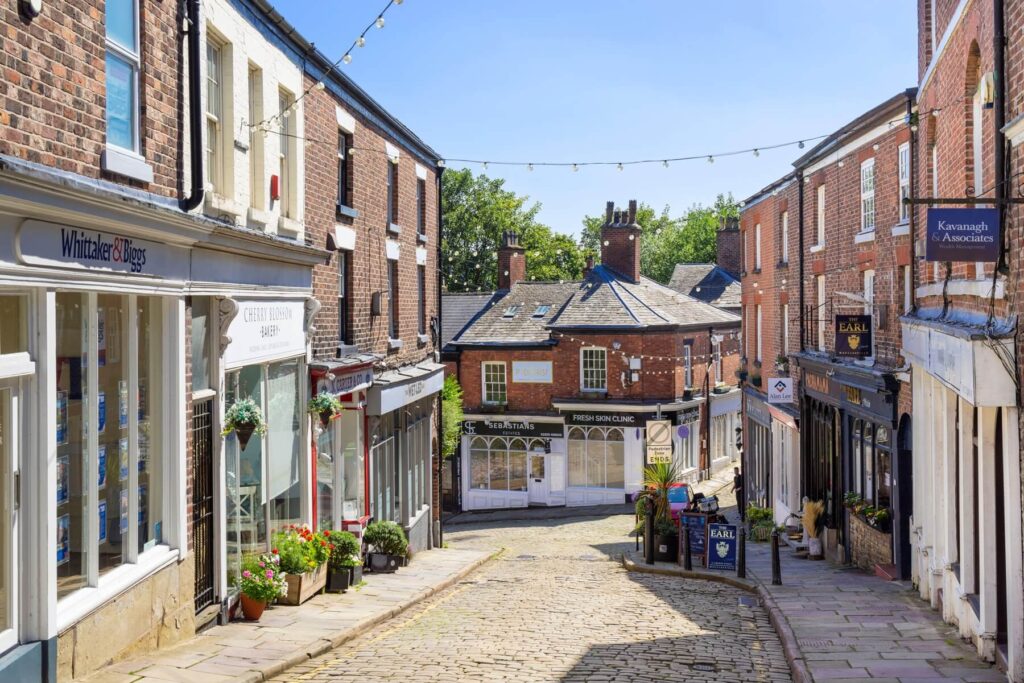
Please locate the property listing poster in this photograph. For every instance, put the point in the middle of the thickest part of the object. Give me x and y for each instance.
(103, 521)
(122, 404)
(122, 458)
(101, 461)
(63, 479)
(62, 418)
(63, 539)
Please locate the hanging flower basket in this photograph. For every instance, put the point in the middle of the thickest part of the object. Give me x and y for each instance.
(326, 405)
(244, 418)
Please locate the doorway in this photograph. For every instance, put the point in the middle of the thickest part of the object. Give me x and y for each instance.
(538, 483)
(9, 495)
(203, 503)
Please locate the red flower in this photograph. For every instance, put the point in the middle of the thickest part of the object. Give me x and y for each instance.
(323, 542)
(274, 550)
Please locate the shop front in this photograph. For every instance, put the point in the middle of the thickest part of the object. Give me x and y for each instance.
(757, 449)
(92, 484)
(267, 480)
(513, 461)
(785, 463)
(340, 448)
(726, 416)
(821, 449)
(400, 427)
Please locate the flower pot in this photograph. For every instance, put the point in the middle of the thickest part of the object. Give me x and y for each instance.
(355, 575)
(687, 394)
(252, 609)
(338, 580)
(302, 587)
(243, 431)
(666, 548)
(384, 564)
(325, 417)
(814, 548)
(721, 390)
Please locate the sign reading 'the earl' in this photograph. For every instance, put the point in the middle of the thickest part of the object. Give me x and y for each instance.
(963, 235)
(853, 336)
(722, 546)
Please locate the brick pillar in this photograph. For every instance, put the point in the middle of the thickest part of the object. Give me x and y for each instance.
(511, 261)
(728, 246)
(620, 241)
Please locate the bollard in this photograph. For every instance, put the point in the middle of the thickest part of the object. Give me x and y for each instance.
(649, 530)
(687, 554)
(776, 562)
(741, 554)
(636, 523)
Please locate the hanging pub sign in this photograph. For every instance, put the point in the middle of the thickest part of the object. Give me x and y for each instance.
(853, 336)
(963, 235)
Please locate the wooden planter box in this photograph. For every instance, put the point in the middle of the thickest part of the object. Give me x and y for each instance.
(302, 587)
(868, 545)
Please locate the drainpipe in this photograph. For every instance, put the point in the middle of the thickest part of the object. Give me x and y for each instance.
(800, 231)
(999, 52)
(911, 96)
(195, 113)
(437, 343)
(707, 405)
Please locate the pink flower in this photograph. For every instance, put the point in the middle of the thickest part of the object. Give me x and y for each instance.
(270, 573)
(262, 565)
(247, 574)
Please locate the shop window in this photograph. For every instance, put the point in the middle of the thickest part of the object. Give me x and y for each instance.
(151, 392)
(479, 477)
(284, 441)
(201, 325)
(596, 458)
(497, 464)
(593, 369)
(14, 331)
(685, 458)
(883, 467)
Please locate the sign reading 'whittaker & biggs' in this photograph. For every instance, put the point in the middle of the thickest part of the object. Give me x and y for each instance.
(853, 336)
(963, 235)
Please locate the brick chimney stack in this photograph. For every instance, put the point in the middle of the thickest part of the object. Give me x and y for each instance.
(620, 241)
(511, 261)
(728, 247)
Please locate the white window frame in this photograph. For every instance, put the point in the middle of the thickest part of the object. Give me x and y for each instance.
(594, 352)
(286, 152)
(760, 347)
(819, 312)
(785, 237)
(257, 178)
(131, 54)
(821, 216)
(867, 195)
(908, 294)
(688, 366)
(716, 356)
(213, 113)
(785, 329)
(757, 247)
(489, 385)
(903, 173)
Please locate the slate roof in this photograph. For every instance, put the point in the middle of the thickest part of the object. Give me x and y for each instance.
(603, 300)
(458, 310)
(708, 283)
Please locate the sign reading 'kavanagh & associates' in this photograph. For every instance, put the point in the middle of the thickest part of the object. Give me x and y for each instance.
(963, 235)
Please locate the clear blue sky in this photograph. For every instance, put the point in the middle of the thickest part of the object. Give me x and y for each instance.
(572, 80)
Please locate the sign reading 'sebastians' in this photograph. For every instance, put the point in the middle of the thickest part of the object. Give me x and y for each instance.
(266, 330)
(52, 245)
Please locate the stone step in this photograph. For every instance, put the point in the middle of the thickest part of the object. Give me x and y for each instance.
(887, 572)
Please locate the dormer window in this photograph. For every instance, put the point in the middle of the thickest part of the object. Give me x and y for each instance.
(511, 311)
(541, 310)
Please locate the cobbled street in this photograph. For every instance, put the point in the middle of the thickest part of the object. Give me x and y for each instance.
(556, 605)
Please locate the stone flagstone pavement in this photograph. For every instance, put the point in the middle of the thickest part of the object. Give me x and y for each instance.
(286, 636)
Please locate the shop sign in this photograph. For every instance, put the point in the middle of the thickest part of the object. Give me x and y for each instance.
(963, 235)
(595, 419)
(780, 390)
(697, 523)
(510, 427)
(384, 398)
(818, 383)
(722, 546)
(852, 395)
(52, 245)
(853, 336)
(346, 383)
(266, 330)
(659, 441)
(757, 410)
(688, 415)
(532, 372)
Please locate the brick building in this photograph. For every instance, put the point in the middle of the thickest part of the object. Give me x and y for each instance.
(559, 380)
(960, 337)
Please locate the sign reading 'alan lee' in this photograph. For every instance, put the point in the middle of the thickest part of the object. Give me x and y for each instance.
(853, 336)
(780, 389)
(51, 245)
(510, 427)
(265, 330)
(532, 372)
(963, 235)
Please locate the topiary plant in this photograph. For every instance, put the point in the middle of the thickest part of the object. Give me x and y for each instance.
(344, 547)
(386, 538)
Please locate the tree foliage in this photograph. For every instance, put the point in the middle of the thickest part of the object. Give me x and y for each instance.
(451, 415)
(666, 241)
(477, 211)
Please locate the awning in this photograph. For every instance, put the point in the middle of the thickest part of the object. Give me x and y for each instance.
(394, 389)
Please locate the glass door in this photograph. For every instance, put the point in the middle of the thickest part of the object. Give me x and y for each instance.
(8, 515)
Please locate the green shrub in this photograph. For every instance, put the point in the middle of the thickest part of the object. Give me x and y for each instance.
(386, 538)
(757, 514)
(344, 547)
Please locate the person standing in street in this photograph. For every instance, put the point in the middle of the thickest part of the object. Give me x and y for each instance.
(738, 489)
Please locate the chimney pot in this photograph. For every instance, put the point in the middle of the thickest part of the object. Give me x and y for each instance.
(608, 209)
(632, 212)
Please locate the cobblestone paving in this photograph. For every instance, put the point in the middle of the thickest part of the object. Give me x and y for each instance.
(557, 606)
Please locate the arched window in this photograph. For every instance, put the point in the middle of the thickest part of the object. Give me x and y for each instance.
(597, 458)
(499, 465)
(517, 465)
(478, 477)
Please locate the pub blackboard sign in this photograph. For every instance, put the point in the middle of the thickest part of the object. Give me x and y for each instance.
(697, 523)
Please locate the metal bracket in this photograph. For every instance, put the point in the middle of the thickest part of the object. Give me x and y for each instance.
(916, 201)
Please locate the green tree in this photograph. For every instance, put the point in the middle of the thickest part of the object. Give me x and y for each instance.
(477, 211)
(451, 415)
(666, 241)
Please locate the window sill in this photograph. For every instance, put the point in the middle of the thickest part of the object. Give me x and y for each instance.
(218, 206)
(422, 339)
(901, 229)
(394, 229)
(394, 344)
(126, 163)
(782, 265)
(595, 393)
(346, 211)
(347, 350)
(814, 249)
(421, 237)
(289, 227)
(79, 604)
(755, 271)
(259, 217)
(866, 236)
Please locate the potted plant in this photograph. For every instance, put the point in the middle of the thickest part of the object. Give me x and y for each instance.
(760, 521)
(244, 418)
(814, 520)
(326, 405)
(303, 555)
(741, 372)
(658, 479)
(344, 557)
(261, 582)
(782, 364)
(755, 380)
(389, 546)
(721, 388)
(688, 393)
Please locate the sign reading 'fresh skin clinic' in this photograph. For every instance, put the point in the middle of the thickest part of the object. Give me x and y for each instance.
(968, 235)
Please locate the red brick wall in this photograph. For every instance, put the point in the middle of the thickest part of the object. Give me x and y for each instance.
(729, 254)
(619, 252)
(369, 262)
(512, 261)
(53, 93)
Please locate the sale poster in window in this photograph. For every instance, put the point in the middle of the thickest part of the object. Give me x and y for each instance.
(103, 411)
(143, 500)
(101, 336)
(113, 336)
(124, 511)
(143, 397)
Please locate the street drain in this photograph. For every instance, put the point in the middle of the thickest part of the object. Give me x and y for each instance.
(526, 557)
(747, 602)
(816, 643)
(703, 666)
